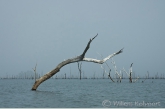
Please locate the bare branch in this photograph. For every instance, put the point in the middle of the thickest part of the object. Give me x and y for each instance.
(72, 60)
(136, 79)
(113, 62)
(120, 51)
(107, 73)
(131, 65)
(125, 71)
(101, 61)
(109, 69)
(88, 45)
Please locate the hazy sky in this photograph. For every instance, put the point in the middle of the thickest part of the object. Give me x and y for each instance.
(49, 31)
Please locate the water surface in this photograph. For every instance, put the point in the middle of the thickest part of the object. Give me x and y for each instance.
(85, 93)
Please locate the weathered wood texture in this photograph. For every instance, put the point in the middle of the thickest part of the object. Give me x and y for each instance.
(130, 78)
(72, 60)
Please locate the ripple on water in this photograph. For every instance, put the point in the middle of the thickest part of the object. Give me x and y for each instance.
(75, 93)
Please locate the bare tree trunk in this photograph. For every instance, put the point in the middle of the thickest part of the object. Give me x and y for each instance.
(79, 68)
(148, 74)
(35, 71)
(72, 60)
(110, 76)
(130, 77)
(118, 76)
(103, 74)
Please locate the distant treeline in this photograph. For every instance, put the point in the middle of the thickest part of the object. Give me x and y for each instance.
(30, 75)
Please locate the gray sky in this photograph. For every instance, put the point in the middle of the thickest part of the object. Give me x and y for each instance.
(47, 32)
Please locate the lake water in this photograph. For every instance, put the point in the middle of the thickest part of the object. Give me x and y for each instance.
(85, 93)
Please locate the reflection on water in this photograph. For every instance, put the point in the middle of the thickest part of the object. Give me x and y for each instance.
(88, 93)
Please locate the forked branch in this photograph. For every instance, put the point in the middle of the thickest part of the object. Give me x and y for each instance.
(88, 45)
(72, 60)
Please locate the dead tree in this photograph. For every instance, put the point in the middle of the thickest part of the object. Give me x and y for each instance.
(105, 70)
(107, 73)
(130, 77)
(73, 60)
(130, 74)
(148, 74)
(116, 72)
(35, 74)
(147, 77)
(79, 68)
